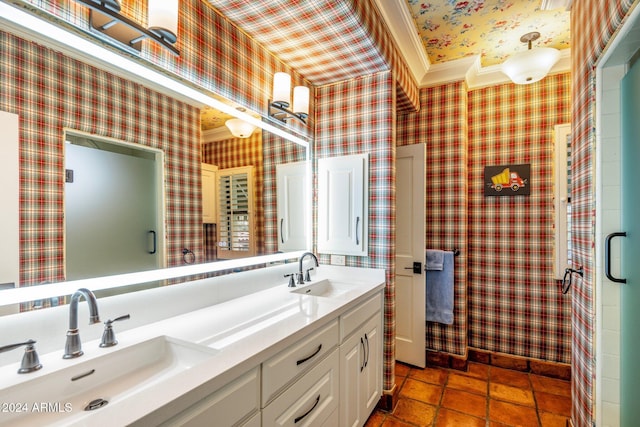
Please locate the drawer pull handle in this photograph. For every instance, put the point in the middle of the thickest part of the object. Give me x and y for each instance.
(295, 421)
(364, 355)
(301, 361)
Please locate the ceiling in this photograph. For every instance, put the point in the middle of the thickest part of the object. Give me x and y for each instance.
(451, 29)
(441, 40)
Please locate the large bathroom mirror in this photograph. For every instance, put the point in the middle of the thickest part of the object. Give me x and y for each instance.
(190, 244)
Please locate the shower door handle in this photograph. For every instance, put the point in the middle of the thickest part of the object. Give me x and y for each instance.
(607, 256)
(154, 240)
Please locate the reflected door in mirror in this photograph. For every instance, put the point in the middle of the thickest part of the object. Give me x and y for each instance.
(110, 213)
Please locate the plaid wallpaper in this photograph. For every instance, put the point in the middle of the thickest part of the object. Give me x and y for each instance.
(327, 41)
(441, 124)
(214, 54)
(51, 92)
(593, 22)
(358, 116)
(233, 153)
(515, 304)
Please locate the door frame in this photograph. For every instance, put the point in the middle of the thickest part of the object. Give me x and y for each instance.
(158, 157)
(607, 294)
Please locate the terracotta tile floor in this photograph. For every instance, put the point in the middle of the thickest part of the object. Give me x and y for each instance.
(485, 396)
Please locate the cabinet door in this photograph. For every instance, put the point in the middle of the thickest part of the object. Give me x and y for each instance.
(236, 238)
(352, 354)
(292, 205)
(343, 205)
(209, 202)
(361, 373)
(371, 378)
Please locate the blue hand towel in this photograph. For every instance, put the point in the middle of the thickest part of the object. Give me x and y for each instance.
(435, 259)
(440, 292)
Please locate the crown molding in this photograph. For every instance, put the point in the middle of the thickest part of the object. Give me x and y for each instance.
(221, 133)
(402, 27)
(477, 76)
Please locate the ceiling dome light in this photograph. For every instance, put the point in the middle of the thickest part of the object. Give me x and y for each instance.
(532, 65)
(239, 128)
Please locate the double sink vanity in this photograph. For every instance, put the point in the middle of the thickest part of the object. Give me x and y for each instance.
(304, 355)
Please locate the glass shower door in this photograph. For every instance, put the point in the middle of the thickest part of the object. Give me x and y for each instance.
(110, 213)
(630, 244)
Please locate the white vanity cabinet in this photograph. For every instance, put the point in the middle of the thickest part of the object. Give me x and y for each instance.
(360, 362)
(343, 205)
(291, 203)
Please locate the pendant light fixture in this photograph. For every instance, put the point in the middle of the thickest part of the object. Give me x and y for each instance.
(239, 128)
(531, 65)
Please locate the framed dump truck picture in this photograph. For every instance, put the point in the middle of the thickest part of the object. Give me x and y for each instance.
(507, 180)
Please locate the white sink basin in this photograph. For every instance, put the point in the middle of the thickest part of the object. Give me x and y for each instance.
(325, 288)
(238, 330)
(111, 378)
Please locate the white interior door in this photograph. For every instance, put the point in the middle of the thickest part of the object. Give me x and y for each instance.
(410, 247)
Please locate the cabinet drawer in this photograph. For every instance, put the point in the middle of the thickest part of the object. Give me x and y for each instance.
(297, 359)
(356, 317)
(311, 401)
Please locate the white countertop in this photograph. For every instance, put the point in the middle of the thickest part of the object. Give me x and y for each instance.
(245, 332)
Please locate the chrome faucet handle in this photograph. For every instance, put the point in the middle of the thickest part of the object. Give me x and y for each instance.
(307, 276)
(30, 360)
(108, 336)
(292, 282)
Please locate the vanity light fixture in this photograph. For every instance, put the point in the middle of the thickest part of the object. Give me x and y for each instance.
(530, 65)
(105, 18)
(239, 128)
(281, 100)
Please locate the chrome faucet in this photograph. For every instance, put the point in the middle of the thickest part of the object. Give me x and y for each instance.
(73, 347)
(301, 275)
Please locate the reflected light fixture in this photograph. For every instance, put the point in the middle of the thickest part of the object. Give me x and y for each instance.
(531, 65)
(281, 100)
(106, 19)
(239, 128)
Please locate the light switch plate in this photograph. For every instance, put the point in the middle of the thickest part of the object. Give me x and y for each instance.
(338, 260)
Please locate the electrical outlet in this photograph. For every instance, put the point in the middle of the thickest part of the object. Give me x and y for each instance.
(338, 260)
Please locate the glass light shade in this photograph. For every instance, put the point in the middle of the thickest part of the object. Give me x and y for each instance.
(163, 15)
(301, 100)
(531, 65)
(239, 128)
(282, 88)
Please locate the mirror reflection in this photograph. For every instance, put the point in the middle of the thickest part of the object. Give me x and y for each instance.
(114, 213)
(94, 109)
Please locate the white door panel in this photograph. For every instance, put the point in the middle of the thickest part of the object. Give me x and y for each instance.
(410, 247)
